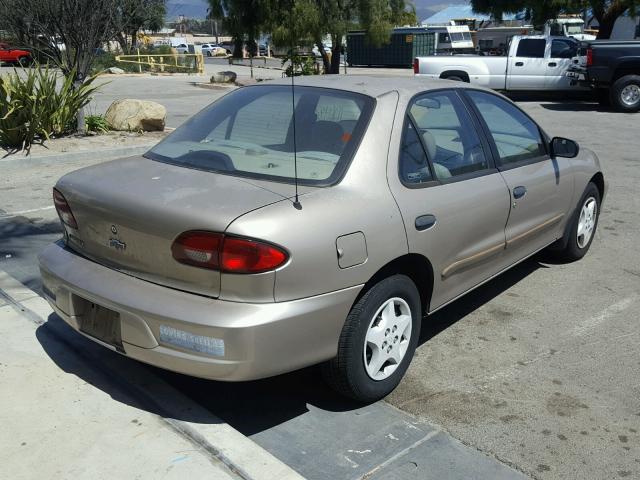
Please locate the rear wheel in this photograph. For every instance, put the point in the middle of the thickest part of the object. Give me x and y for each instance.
(625, 93)
(455, 78)
(377, 342)
(24, 61)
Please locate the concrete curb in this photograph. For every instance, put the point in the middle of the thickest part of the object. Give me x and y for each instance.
(77, 156)
(240, 454)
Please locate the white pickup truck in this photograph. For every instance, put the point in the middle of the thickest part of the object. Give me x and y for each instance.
(533, 62)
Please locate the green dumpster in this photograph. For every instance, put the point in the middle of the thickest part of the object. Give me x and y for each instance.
(405, 44)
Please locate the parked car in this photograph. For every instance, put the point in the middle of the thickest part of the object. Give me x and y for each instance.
(533, 62)
(14, 55)
(613, 70)
(212, 50)
(182, 48)
(234, 251)
(228, 46)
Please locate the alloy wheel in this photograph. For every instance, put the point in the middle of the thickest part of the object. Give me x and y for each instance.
(587, 222)
(387, 338)
(630, 95)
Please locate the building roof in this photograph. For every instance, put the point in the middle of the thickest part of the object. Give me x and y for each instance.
(462, 11)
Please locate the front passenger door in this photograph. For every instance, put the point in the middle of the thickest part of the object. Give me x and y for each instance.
(453, 201)
(528, 67)
(541, 188)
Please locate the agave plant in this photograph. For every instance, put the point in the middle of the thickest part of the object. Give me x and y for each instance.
(39, 103)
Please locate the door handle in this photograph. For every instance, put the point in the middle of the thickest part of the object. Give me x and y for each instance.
(425, 222)
(553, 64)
(519, 64)
(519, 192)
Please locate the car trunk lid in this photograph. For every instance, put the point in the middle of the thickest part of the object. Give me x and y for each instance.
(130, 211)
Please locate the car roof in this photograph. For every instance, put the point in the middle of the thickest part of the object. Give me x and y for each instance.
(373, 86)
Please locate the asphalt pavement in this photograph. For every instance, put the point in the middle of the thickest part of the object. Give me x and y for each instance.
(537, 370)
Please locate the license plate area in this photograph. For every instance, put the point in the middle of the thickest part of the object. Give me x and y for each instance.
(99, 322)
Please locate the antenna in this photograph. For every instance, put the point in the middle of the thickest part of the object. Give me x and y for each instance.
(296, 202)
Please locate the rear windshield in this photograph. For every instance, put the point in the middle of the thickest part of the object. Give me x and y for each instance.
(250, 133)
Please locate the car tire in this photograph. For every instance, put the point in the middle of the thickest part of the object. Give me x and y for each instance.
(625, 93)
(24, 61)
(209, 54)
(366, 342)
(455, 78)
(582, 229)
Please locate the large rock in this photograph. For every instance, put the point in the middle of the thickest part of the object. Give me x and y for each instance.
(224, 77)
(115, 70)
(136, 115)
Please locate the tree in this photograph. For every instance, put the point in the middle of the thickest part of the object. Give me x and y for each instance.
(67, 32)
(308, 22)
(136, 15)
(243, 19)
(605, 11)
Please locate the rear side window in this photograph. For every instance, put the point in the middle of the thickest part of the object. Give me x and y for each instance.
(516, 136)
(250, 133)
(531, 48)
(562, 48)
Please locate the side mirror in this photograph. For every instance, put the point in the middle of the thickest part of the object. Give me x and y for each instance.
(563, 147)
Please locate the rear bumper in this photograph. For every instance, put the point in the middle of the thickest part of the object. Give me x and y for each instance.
(251, 340)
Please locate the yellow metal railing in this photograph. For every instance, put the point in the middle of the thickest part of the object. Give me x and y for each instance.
(168, 62)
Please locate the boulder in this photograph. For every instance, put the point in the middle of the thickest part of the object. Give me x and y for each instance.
(224, 77)
(115, 70)
(136, 115)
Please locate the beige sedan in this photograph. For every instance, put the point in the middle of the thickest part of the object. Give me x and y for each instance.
(284, 227)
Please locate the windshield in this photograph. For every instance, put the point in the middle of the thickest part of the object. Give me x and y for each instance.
(250, 133)
(574, 29)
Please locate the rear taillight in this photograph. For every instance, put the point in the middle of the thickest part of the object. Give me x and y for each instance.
(63, 209)
(201, 249)
(227, 254)
(589, 57)
(416, 65)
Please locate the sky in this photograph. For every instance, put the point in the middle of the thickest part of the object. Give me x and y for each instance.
(198, 8)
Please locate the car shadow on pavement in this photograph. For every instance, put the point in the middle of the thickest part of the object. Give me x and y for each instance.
(574, 107)
(250, 407)
(452, 313)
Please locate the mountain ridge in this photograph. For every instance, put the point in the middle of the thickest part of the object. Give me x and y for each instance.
(197, 9)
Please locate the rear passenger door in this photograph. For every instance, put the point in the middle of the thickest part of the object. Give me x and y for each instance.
(453, 201)
(541, 188)
(561, 53)
(528, 67)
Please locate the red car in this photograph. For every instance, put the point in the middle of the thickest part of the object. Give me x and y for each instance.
(14, 55)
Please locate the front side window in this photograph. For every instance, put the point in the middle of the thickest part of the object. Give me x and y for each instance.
(531, 48)
(516, 136)
(447, 135)
(250, 133)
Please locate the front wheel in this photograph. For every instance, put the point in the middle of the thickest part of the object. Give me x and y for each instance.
(625, 93)
(579, 235)
(377, 342)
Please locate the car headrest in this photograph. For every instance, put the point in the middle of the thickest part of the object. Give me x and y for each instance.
(430, 144)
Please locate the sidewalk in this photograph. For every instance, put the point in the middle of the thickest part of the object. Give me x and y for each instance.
(58, 424)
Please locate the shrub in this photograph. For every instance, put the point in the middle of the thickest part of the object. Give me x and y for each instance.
(34, 105)
(96, 123)
(299, 65)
